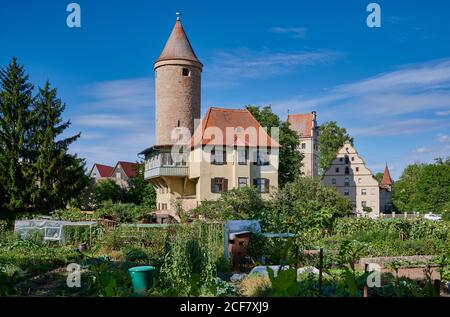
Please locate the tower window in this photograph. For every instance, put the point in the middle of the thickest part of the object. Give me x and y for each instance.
(186, 72)
(178, 123)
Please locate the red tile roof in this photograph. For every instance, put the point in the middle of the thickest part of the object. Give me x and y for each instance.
(178, 46)
(128, 167)
(104, 170)
(302, 123)
(387, 179)
(232, 119)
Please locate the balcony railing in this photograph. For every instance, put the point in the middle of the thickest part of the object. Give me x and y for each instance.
(178, 171)
(162, 164)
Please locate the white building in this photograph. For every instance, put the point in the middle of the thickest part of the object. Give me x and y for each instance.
(350, 176)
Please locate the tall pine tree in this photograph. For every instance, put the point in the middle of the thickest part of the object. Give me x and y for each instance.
(58, 175)
(15, 129)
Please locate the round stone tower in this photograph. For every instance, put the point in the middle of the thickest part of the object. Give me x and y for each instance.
(178, 83)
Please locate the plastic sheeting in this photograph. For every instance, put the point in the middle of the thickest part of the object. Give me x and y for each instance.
(50, 230)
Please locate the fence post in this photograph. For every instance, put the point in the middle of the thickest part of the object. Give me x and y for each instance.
(366, 287)
(393, 214)
(437, 287)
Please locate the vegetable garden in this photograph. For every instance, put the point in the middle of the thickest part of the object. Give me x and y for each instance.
(189, 260)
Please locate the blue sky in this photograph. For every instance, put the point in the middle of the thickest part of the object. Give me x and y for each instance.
(390, 87)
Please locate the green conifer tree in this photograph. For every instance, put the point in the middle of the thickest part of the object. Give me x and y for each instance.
(58, 175)
(15, 131)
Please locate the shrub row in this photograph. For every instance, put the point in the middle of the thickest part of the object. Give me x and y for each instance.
(417, 229)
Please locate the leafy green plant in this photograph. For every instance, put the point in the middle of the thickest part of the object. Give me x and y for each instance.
(121, 212)
(108, 280)
(189, 268)
(284, 284)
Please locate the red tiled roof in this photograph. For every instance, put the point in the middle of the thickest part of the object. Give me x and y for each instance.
(104, 170)
(178, 46)
(128, 167)
(302, 123)
(232, 119)
(387, 179)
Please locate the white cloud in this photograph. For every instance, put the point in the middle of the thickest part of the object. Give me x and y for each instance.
(108, 121)
(228, 67)
(395, 103)
(398, 127)
(295, 32)
(421, 150)
(443, 113)
(444, 138)
(124, 93)
(116, 121)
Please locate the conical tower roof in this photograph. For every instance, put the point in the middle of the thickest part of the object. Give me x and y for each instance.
(387, 179)
(178, 46)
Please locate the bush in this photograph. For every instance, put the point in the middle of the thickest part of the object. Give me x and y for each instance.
(70, 214)
(405, 229)
(105, 190)
(3, 227)
(74, 235)
(124, 213)
(135, 254)
(242, 203)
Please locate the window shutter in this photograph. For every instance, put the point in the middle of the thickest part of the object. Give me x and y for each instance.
(212, 185)
(225, 184)
(224, 155)
(266, 185)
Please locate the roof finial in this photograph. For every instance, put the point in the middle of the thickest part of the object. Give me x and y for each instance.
(178, 16)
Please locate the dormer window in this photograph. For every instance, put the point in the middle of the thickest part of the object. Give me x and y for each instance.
(186, 72)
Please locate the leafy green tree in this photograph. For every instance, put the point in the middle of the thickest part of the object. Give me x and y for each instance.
(304, 205)
(105, 190)
(379, 176)
(290, 157)
(140, 191)
(423, 188)
(15, 127)
(58, 176)
(242, 203)
(331, 138)
(433, 187)
(405, 190)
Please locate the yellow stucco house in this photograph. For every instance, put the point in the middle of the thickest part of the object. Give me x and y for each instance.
(195, 160)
